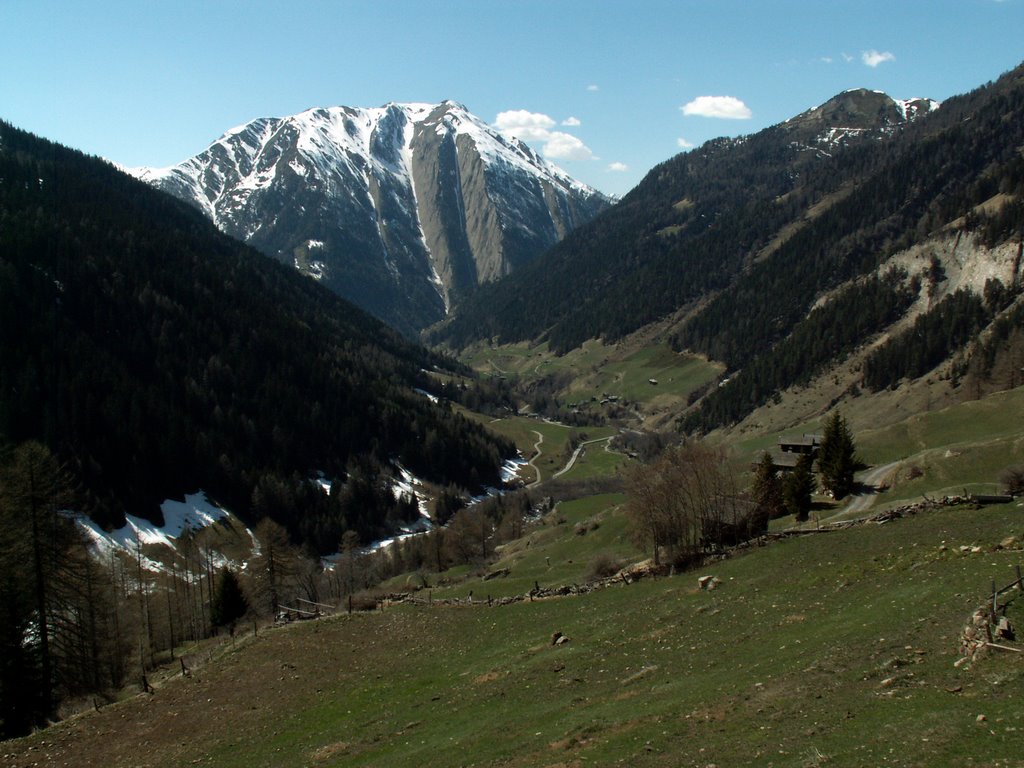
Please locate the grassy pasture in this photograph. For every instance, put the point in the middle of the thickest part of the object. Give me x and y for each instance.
(836, 649)
(623, 370)
(962, 448)
(554, 450)
(556, 551)
(994, 418)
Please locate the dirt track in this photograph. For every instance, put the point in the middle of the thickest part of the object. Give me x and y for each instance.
(868, 488)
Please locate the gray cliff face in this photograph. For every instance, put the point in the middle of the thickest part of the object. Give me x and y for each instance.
(402, 209)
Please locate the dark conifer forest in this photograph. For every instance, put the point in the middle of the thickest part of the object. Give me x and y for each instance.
(155, 356)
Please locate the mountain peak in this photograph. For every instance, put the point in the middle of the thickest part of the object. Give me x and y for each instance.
(401, 208)
(855, 114)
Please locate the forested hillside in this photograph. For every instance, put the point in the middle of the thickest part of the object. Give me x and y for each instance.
(741, 238)
(155, 356)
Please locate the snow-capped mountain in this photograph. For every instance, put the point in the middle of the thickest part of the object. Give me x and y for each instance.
(401, 209)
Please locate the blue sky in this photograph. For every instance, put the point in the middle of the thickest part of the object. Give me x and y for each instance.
(599, 86)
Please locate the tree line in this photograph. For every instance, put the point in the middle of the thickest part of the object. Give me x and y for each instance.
(826, 335)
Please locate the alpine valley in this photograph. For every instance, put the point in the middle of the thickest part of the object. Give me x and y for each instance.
(644, 463)
(403, 209)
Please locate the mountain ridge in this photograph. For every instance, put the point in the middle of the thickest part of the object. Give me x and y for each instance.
(734, 242)
(680, 235)
(403, 209)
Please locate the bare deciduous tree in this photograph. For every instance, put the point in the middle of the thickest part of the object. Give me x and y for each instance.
(685, 502)
(274, 566)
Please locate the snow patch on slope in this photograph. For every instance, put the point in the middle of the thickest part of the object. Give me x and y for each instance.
(913, 108)
(510, 469)
(407, 484)
(194, 513)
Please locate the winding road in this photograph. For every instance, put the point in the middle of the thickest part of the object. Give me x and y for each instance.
(868, 487)
(536, 455)
(579, 450)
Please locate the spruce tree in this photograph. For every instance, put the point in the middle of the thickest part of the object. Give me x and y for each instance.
(229, 603)
(767, 491)
(798, 488)
(837, 459)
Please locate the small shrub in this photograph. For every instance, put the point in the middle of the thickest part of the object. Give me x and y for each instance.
(363, 601)
(603, 565)
(1012, 479)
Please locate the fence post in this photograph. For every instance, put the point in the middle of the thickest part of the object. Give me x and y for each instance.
(995, 601)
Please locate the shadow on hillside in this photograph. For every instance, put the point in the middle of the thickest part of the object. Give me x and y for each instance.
(862, 489)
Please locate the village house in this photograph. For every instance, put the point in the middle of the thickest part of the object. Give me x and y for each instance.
(790, 449)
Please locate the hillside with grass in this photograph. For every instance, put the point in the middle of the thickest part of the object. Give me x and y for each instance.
(833, 649)
(819, 645)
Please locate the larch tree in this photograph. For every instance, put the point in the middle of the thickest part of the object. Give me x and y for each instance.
(36, 544)
(274, 565)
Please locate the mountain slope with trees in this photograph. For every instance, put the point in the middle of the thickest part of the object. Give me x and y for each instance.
(748, 243)
(154, 355)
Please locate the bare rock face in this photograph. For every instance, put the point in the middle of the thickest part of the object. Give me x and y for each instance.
(402, 209)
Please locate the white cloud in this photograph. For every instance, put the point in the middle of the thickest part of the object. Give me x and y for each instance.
(873, 58)
(572, 122)
(726, 107)
(528, 126)
(683, 143)
(592, 88)
(562, 146)
(826, 59)
(618, 167)
(536, 126)
(847, 57)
